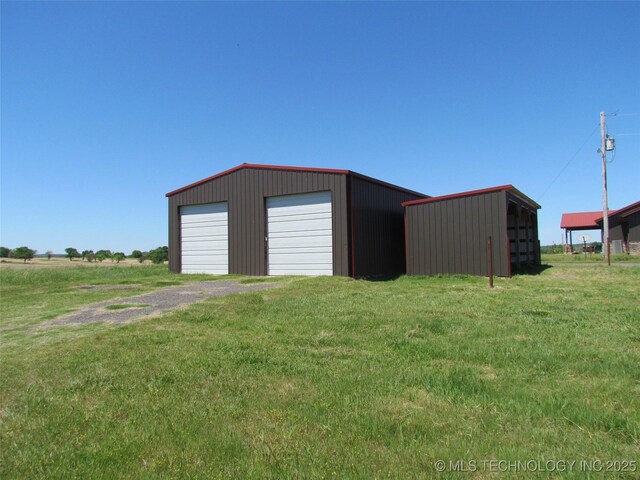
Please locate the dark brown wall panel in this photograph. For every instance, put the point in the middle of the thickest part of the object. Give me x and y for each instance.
(245, 191)
(633, 221)
(378, 228)
(450, 236)
(615, 229)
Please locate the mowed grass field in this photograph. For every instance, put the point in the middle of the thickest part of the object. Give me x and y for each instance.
(322, 377)
(555, 258)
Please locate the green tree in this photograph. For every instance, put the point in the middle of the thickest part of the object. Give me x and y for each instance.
(5, 252)
(137, 254)
(143, 257)
(118, 257)
(159, 255)
(23, 253)
(89, 256)
(102, 255)
(72, 253)
(49, 254)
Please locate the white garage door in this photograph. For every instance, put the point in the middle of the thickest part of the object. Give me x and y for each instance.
(300, 234)
(205, 238)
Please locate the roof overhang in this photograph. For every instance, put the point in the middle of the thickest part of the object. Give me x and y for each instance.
(623, 212)
(502, 188)
(581, 220)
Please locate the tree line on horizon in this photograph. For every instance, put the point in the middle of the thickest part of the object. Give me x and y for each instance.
(157, 255)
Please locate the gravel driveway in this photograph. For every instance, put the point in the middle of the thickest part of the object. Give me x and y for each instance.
(156, 302)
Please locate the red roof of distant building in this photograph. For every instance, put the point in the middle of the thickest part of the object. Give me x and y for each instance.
(582, 220)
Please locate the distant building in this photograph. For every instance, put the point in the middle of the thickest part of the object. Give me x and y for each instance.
(577, 221)
(624, 227)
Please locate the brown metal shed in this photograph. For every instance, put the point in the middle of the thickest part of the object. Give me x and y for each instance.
(231, 221)
(448, 234)
(624, 226)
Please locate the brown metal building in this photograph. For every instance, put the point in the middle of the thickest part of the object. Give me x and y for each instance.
(448, 234)
(624, 227)
(274, 220)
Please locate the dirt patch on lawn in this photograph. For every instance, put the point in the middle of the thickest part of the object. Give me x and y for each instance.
(153, 303)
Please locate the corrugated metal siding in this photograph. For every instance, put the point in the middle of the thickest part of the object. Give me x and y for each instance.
(450, 236)
(378, 228)
(633, 221)
(245, 190)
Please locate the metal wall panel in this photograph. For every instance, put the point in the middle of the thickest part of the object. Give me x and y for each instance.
(378, 228)
(245, 191)
(450, 236)
(633, 222)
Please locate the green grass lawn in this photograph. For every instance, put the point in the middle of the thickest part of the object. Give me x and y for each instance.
(552, 258)
(324, 377)
(30, 297)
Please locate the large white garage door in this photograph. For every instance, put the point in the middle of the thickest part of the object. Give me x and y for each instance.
(204, 235)
(300, 234)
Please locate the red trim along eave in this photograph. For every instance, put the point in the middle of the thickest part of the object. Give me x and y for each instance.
(260, 167)
(622, 212)
(471, 193)
(388, 185)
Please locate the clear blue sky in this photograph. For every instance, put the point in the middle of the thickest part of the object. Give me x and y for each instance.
(108, 106)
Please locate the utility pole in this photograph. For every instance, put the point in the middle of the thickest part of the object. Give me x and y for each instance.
(605, 201)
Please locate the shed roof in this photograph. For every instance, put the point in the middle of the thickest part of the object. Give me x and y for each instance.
(623, 212)
(294, 169)
(471, 193)
(581, 220)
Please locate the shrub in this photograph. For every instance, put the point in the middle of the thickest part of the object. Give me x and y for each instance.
(159, 255)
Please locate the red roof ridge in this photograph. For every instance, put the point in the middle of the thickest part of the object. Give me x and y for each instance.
(257, 166)
(292, 169)
(471, 193)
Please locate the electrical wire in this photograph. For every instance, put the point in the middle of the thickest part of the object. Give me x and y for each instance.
(570, 160)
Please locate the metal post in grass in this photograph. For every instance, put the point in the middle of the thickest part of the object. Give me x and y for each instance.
(490, 261)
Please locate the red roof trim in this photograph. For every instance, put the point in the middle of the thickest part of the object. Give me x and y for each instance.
(388, 185)
(294, 169)
(471, 193)
(623, 212)
(257, 166)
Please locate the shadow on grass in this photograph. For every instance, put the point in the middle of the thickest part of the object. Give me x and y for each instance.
(524, 270)
(531, 269)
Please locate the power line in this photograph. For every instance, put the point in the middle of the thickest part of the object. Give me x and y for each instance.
(570, 160)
